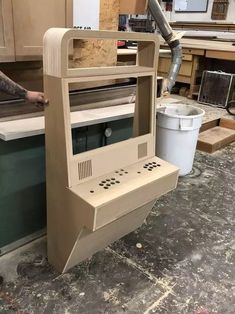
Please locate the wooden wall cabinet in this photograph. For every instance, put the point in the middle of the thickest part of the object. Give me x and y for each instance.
(32, 18)
(7, 51)
(23, 24)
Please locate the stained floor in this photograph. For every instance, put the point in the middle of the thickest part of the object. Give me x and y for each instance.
(184, 261)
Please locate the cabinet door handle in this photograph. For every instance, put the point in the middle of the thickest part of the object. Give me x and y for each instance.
(108, 132)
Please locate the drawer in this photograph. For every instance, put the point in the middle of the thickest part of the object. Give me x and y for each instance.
(185, 70)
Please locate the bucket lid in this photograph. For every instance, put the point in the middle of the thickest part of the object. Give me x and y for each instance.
(182, 111)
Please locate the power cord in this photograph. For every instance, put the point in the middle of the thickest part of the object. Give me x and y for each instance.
(231, 107)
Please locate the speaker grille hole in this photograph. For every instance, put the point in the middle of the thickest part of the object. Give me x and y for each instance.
(84, 169)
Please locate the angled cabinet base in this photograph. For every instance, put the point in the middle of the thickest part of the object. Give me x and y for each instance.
(87, 243)
(107, 208)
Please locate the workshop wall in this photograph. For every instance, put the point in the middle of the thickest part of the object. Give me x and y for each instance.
(103, 53)
(201, 17)
(98, 51)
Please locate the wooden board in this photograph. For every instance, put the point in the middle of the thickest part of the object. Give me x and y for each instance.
(28, 127)
(204, 45)
(227, 123)
(214, 139)
(206, 26)
(90, 53)
(207, 44)
(209, 125)
(222, 55)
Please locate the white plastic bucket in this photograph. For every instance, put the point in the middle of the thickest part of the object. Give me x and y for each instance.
(177, 134)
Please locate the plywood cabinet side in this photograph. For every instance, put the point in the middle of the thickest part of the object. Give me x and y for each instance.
(90, 53)
(7, 50)
(32, 18)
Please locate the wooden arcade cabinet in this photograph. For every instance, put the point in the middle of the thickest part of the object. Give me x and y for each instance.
(97, 197)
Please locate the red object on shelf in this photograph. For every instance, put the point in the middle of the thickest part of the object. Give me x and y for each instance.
(121, 43)
(169, 7)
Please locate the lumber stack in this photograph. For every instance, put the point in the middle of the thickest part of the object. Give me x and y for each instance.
(217, 137)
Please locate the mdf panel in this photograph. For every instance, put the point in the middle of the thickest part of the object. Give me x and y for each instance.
(89, 53)
(133, 6)
(32, 18)
(7, 51)
(22, 190)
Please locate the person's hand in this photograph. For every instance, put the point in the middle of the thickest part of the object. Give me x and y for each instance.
(36, 97)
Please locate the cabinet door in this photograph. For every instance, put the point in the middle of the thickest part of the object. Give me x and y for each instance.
(7, 51)
(32, 18)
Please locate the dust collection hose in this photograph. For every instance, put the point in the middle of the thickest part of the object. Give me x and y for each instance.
(171, 39)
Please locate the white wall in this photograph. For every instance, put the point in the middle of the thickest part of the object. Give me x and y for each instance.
(202, 17)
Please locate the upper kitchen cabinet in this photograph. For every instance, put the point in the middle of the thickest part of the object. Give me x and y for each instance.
(32, 18)
(7, 51)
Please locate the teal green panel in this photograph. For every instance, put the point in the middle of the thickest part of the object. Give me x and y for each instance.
(87, 138)
(79, 137)
(22, 188)
(121, 130)
(95, 136)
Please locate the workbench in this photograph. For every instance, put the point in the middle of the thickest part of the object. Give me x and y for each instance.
(209, 48)
(195, 53)
(191, 66)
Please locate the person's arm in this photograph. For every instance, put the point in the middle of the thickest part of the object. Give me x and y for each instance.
(10, 87)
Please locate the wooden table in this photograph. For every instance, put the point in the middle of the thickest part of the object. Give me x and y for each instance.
(204, 26)
(195, 52)
(190, 69)
(212, 49)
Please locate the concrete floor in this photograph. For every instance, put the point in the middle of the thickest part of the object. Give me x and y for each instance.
(185, 262)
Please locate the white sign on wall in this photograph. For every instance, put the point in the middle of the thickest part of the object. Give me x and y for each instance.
(181, 5)
(191, 5)
(86, 14)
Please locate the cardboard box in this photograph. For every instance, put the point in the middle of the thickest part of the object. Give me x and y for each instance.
(133, 6)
